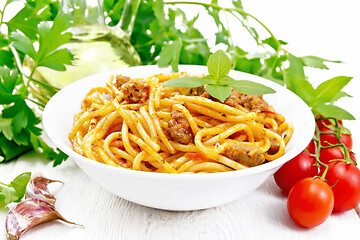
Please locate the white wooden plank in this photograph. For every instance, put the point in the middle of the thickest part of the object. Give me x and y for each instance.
(258, 215)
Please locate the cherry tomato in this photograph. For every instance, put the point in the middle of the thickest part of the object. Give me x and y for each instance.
(345, 179)
(310, 202)
(326, 155)
(296, 169)
(333, 153)
(311, 147)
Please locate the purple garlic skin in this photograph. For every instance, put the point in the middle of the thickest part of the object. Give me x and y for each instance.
(28, 214)
(38, 188)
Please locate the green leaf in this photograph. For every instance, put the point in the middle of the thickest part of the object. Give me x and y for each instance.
(238, 4)
(59, 158)
(8, 80)
(52, 38)
(327, 90)
(185, 82)
(7, 195)
(219, 64)
(251, 88)
(6, 58)
(158, 8)
(23, 44)
(20, 182)
(10, 150)
(329, 110)
(40, 146)
(272, 42)
(24, 22)
(219, 92)
(226, 81)
(57, 60)
(6, 128)
(295, 80)
(210, 79)
(316, 62)
(14, 191)
(339, 95)
(170, 55)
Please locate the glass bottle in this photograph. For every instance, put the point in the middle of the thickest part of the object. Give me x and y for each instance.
(96, 47)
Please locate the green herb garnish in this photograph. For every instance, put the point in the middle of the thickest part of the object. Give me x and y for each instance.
(37, 22)
(218, 84)
(14, 191)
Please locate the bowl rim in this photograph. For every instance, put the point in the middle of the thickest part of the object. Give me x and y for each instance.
(166, 176)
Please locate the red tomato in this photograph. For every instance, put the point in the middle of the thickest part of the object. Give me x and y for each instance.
(326, 155)
(196, 156)
(296, 169)
(333, 153)
(310, 202)
(311, 147)
(345, 179)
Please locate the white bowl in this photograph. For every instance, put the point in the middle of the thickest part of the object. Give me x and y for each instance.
(175, 191)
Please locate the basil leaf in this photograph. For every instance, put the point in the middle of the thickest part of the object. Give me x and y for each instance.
(329, 110)
(327, 90)
(219, 64)
(251, 88)
(226, 81)
(185, 82)
(210, 79)
(219, 92)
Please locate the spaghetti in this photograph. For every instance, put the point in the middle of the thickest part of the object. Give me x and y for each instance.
(141, 125)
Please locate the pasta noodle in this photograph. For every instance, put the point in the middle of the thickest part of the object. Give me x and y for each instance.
(141, 125)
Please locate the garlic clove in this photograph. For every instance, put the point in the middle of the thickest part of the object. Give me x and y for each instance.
(28, 214)
(38, 188)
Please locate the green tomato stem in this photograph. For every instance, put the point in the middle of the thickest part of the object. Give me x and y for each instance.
(317, 154)
(337, 133)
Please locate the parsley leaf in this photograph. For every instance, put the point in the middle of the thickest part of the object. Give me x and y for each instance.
(217, 83)
(14, 191)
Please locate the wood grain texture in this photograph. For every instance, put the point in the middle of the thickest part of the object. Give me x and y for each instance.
(260, 215)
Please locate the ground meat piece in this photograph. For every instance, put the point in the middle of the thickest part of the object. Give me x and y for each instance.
(241, 154)
(179, 128)
(274, 147)
(135, 91)
(120, 80)
(198, 91)
(207, 95)
(254, 103)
